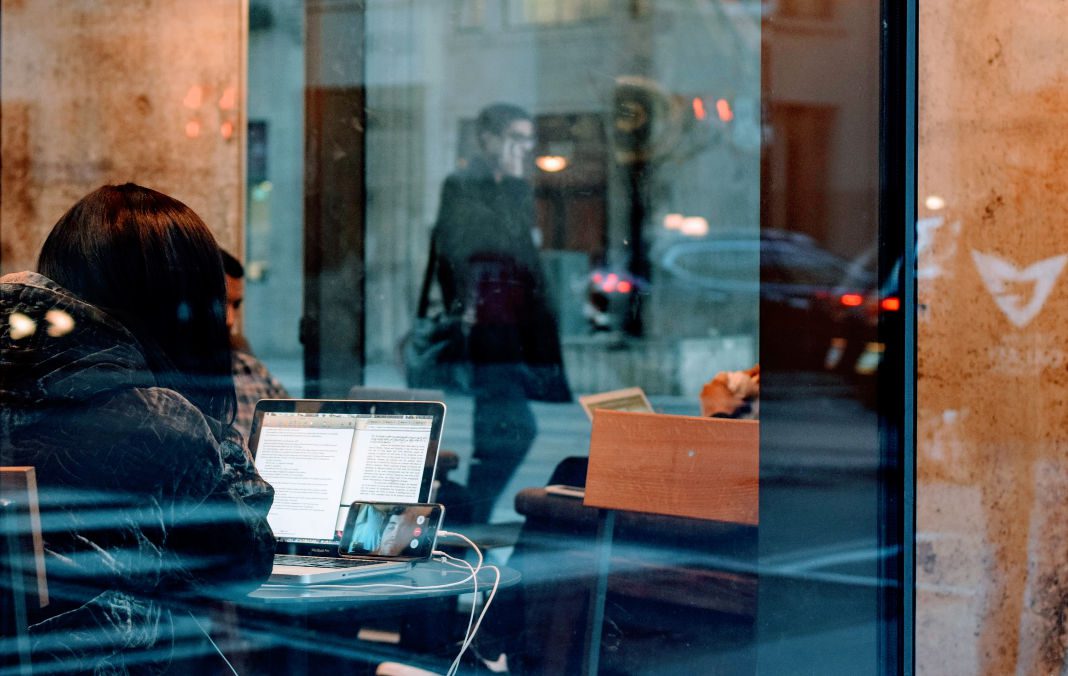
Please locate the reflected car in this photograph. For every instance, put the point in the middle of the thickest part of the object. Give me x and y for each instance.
(608, 295)
(784, 287)
(864, 357)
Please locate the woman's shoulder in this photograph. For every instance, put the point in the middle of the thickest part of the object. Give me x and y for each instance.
(65, 349)
(162, 435)
(29, 290)
(168, 406)
(164, 412)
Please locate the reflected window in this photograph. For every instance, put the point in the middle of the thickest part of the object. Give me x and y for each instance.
(470, 14)
(806, 9)
(555, 12)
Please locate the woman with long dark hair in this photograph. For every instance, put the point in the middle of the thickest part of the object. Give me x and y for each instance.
(148, 260)
(115, 377)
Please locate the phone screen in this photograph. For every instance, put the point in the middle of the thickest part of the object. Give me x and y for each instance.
(391, 529)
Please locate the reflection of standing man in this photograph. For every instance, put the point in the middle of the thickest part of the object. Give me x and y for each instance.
(490, 274)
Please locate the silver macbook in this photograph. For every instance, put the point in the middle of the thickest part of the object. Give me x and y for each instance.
(378, 538)
(322, 455)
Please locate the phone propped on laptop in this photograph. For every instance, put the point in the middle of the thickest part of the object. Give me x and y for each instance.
(321, 456)
(379, 539)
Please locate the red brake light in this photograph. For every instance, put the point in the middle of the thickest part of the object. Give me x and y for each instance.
(851, 299)
(891, 304)
(699, 108)
(723, 109)
(624, 287)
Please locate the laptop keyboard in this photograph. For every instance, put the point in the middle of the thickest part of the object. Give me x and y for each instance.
(320, 561)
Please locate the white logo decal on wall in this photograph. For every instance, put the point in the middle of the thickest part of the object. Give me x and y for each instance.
(931, 260)
(1003, 280)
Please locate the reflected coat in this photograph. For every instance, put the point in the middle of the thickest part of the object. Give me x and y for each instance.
(144, 509)
(490, 274)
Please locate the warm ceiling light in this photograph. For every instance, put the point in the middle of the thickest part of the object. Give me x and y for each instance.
(228, 100)
(20, 326)
(194, 97)
(551, 163)
(934, 203)
(59, 323)
(674, 221)
(694, 226)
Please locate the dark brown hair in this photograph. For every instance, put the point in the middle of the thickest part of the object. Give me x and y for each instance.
(149, 261)
(495, 118)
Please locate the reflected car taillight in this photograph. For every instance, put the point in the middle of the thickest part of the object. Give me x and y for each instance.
(851, 299)
(612, 283)
(890, 304)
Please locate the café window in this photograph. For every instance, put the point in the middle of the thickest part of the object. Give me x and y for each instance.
(692, 192)
(623, 286)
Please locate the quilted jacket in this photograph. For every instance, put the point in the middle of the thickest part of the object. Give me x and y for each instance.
(148, 507)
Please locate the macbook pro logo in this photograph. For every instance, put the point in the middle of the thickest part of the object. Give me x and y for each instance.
(1020, 293)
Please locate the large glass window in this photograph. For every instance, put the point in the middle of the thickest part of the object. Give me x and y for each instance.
(599, 195)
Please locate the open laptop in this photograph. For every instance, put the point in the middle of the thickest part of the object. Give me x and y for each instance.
(628, 399)
(321, 456)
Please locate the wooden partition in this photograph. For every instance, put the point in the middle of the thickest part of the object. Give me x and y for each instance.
(19, 485)
(111, 91)
(702, 468)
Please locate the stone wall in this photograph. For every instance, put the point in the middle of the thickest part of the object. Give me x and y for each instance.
(992, 552)
(113, 91)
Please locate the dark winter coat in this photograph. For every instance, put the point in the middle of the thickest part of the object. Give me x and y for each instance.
(491, 275)
(144, 509)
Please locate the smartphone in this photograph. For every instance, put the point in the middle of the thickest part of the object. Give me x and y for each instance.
(391, 530)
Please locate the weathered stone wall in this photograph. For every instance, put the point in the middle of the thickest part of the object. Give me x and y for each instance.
(992, 555)
(112, 91)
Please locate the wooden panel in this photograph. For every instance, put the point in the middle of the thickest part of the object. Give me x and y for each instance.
(111, 91)
(333, 328)
(19, 484)
(333, 325)
(702, 468)
(992, 339)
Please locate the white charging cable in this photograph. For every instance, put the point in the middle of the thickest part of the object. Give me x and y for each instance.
(450, 560)
(212, 642)
(472, 630)
(455, 562)
(478, 623)
(472, 545)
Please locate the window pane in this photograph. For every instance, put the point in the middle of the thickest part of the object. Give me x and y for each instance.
(598, 196)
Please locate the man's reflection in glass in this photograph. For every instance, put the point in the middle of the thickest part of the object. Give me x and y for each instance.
(490, 275)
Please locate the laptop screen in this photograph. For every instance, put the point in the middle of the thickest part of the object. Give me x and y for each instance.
(322, 456)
